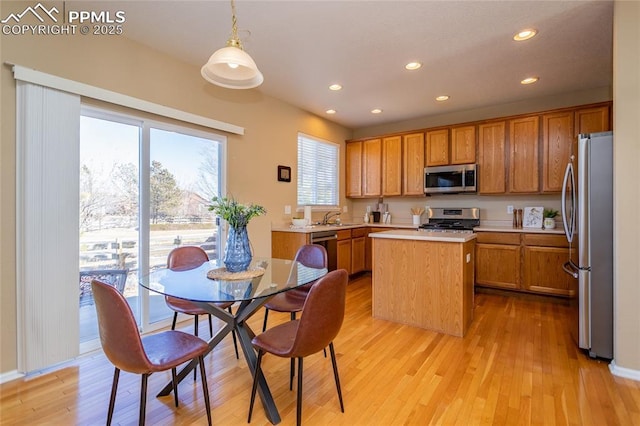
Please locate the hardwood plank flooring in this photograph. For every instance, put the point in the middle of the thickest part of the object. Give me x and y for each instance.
(516, 365)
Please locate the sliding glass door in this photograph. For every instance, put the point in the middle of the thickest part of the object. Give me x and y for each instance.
(144, 190)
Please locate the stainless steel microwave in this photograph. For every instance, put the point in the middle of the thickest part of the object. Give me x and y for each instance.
(450, 179)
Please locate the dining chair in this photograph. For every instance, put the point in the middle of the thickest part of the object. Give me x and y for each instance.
(292, 301)
(182, 259)
(319, 324)
(126, 350)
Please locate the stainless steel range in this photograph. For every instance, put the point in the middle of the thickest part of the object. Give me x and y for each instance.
(456, 220)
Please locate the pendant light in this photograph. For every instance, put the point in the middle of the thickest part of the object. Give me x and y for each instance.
(231, 66)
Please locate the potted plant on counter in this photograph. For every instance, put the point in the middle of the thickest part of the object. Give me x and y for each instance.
(549, 218)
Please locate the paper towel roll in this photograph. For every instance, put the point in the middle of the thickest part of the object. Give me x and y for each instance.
(307, 214)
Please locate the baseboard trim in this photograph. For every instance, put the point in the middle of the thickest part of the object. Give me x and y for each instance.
(9, 376)
(627, 373)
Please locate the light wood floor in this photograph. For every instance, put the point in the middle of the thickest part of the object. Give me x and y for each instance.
(517, 365)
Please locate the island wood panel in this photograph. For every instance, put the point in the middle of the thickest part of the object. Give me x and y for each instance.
(285, 245)
(425, 284)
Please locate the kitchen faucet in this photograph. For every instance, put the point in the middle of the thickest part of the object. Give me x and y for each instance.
(329, 215)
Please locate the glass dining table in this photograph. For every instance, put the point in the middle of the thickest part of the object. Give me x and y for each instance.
(249, 294)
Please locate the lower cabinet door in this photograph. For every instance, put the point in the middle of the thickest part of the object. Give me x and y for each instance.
(542, 271)
(344, 255)
(498, 265)
(357, 254)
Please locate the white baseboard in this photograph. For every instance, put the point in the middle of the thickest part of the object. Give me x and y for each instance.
(627, 373)
(10, 375)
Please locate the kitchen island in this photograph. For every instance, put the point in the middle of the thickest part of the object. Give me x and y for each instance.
(424, 279)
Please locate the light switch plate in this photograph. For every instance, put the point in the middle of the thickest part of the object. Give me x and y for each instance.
(287, 209)
(510, 209)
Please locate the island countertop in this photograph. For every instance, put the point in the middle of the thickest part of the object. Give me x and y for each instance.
(405, 234)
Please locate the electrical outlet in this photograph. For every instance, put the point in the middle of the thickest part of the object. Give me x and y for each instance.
(287, 209)
(510, 209)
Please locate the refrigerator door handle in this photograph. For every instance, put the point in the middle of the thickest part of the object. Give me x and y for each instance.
(568, 222)
(570, 269)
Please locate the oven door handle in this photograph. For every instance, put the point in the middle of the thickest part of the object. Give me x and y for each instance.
(321, 239)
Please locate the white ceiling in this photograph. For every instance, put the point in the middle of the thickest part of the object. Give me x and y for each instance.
(466, 47)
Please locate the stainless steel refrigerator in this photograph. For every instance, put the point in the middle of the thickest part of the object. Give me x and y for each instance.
(587, 216)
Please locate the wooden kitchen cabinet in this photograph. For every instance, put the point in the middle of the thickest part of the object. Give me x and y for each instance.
(498, 260)
(413, 164)
(358, 243)
(526, 262)
(353, 169)
(592, 120)
(392, 166)
(285, 245)
(463, 145)
(491, 158)
(543, 257)
(437, 147)
(344, 250)
(371, 168)
(558, 141)
(523, 155)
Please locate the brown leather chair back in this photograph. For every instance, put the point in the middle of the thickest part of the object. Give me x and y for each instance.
(187, 257)
(322, 314)
(118, 330)
(312, 256)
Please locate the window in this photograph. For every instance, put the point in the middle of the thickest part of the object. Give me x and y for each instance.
(317, 172)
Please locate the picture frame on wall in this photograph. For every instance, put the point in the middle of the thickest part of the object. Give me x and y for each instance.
(284, 174)
(532, 217)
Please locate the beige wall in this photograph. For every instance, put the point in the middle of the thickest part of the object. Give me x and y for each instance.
(116, 64)
(626, 107)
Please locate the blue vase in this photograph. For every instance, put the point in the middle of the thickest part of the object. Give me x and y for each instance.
(237, 253)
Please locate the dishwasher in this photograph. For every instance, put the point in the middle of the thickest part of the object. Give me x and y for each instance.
(328, 240)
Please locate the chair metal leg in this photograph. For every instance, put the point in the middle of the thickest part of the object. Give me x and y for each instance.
(292, 373)
(112, 401)
(210, 326)
(335, 375)
(233, 334)
(174, 382)
(256, 376)
(299, 406)
(195, 331)
(205, 389)
(175, 318)
(264, 324)
(143, 399)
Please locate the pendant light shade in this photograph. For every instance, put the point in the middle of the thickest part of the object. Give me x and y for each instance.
(231, 66)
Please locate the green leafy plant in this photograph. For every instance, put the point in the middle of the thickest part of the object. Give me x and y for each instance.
(550, 213)
(237, 215)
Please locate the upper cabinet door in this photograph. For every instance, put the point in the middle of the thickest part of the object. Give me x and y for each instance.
(392, 166)
(354, 169)
(491, 158)
(557, 142)
(592, 120)
(523, 158)
(372, 168)
(438, 147)
(413, 164)
(463, 145)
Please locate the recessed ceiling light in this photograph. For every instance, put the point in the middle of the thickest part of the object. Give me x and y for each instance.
(529, 80)
(442, 98)
(413, 66)
(376, 111)
(330, 111)
(335, 87)
(525, 34)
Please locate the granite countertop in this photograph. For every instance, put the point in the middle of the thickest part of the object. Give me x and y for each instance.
(405, 234)
(318, 228)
